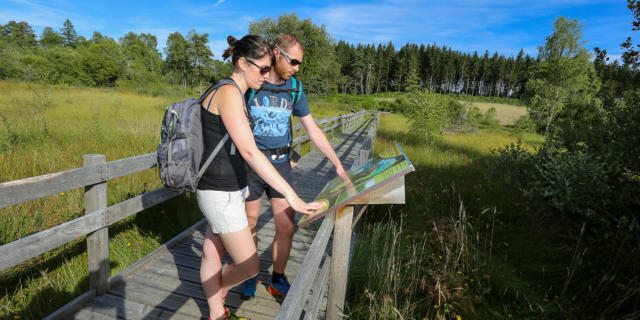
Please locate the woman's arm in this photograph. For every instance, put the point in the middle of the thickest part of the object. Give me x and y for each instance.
(229, 105)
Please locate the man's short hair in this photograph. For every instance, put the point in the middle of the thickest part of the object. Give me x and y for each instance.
(286, 41)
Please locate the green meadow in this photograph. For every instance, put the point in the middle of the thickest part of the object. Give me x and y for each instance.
(439, 256)
(46, 129)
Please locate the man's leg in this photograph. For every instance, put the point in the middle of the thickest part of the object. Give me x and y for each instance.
(283, 218)
(252, 208)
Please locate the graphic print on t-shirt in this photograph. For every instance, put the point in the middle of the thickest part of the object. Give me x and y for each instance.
(271, 117)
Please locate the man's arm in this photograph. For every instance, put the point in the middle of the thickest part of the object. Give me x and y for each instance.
(318, 138)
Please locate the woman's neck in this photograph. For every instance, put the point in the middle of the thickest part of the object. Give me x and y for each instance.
(240, 81)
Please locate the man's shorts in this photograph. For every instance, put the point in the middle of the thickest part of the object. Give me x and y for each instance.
(224, 210)
(257, 186)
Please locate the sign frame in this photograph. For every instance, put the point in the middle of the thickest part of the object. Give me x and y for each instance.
(307, 219)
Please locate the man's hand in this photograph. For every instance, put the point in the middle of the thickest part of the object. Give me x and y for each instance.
(342, 173)
(351, 190)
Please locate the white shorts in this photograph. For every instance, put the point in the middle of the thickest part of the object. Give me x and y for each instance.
(224, 210)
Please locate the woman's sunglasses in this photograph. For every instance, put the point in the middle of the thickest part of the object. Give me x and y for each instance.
(292, 61)
(263, 70)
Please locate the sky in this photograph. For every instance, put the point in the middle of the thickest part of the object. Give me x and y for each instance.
(504, 26)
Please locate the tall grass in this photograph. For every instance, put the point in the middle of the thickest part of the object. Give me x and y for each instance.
(438, 256)
(45, 129)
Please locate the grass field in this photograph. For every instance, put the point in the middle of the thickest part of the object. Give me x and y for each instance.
(506, 114)
(47, 129)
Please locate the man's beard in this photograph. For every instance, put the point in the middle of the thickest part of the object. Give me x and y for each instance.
(283, 73)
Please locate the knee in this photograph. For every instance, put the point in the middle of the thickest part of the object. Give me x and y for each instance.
(285, 228)
(253, 221)
(209, 251)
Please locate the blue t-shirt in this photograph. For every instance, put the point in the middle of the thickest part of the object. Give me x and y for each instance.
(271, 115)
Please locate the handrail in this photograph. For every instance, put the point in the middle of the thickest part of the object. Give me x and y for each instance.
(98, 217)
(19, 191)
(310, 274)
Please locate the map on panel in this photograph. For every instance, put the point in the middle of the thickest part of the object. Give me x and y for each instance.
(363, 179)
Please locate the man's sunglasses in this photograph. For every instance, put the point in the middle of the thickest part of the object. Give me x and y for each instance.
(263, 70)
(292, 61)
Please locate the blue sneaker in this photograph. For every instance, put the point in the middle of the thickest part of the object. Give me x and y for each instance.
(249, 289)
(279, 289)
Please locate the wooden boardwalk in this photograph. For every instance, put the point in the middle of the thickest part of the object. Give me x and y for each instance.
(166, 284)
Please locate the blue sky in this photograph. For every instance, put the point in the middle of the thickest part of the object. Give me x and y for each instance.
(504, 26)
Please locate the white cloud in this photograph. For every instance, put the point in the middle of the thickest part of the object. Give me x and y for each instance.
(465, 25)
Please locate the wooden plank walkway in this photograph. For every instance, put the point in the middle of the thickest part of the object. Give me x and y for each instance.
(167, 284)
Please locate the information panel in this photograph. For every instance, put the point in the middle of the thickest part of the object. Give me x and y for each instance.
(364, 178)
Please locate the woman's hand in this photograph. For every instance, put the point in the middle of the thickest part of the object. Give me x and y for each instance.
(306, 208)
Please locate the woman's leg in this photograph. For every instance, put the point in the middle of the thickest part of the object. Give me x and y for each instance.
(210, 274)
(242, 250)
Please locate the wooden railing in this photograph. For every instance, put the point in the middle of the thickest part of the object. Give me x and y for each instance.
(334, 271)
(98, 216)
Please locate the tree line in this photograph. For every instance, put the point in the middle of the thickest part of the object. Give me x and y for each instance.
(63, 57)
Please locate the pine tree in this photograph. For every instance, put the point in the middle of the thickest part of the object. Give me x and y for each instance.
(69, 34)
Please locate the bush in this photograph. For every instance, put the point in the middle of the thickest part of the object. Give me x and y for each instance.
(572, 185)
(525, 123)
(513, 166)
(489, 118)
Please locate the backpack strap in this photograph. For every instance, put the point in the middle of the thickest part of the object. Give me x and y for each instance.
(252, 92)
(296, 88)
(226, 136)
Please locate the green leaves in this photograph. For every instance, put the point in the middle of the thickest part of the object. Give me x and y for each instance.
(563, 78)
(427, 113)
(319, 71)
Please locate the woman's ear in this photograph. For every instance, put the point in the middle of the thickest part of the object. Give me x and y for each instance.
(242, 64)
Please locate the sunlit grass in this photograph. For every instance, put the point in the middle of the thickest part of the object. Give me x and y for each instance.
(46, 129)
(505, 113)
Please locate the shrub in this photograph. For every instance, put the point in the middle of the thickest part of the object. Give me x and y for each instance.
(525, 124)
(489, 118)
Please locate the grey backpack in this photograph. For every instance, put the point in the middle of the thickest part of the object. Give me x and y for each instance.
(181, 143)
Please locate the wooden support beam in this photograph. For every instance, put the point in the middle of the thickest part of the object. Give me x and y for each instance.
(95, 198)
(339, 263)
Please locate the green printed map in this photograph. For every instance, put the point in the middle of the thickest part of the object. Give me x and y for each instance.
(363, 178)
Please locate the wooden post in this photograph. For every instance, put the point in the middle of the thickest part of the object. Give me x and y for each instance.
(297, 146)
(333, 122)
(95, 198)
(339, 263)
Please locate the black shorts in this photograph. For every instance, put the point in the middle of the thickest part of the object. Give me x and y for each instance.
(257, 186)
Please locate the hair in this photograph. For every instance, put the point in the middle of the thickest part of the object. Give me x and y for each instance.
(286, 41)
(250, 46)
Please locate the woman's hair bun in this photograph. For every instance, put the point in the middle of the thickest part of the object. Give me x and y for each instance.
(250, 46)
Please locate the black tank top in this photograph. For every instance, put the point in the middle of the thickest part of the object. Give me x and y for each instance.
(227, 171)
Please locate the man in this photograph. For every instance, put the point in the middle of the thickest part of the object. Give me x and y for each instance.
(271, 108)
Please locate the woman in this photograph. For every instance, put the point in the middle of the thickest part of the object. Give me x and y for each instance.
(223, 187)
